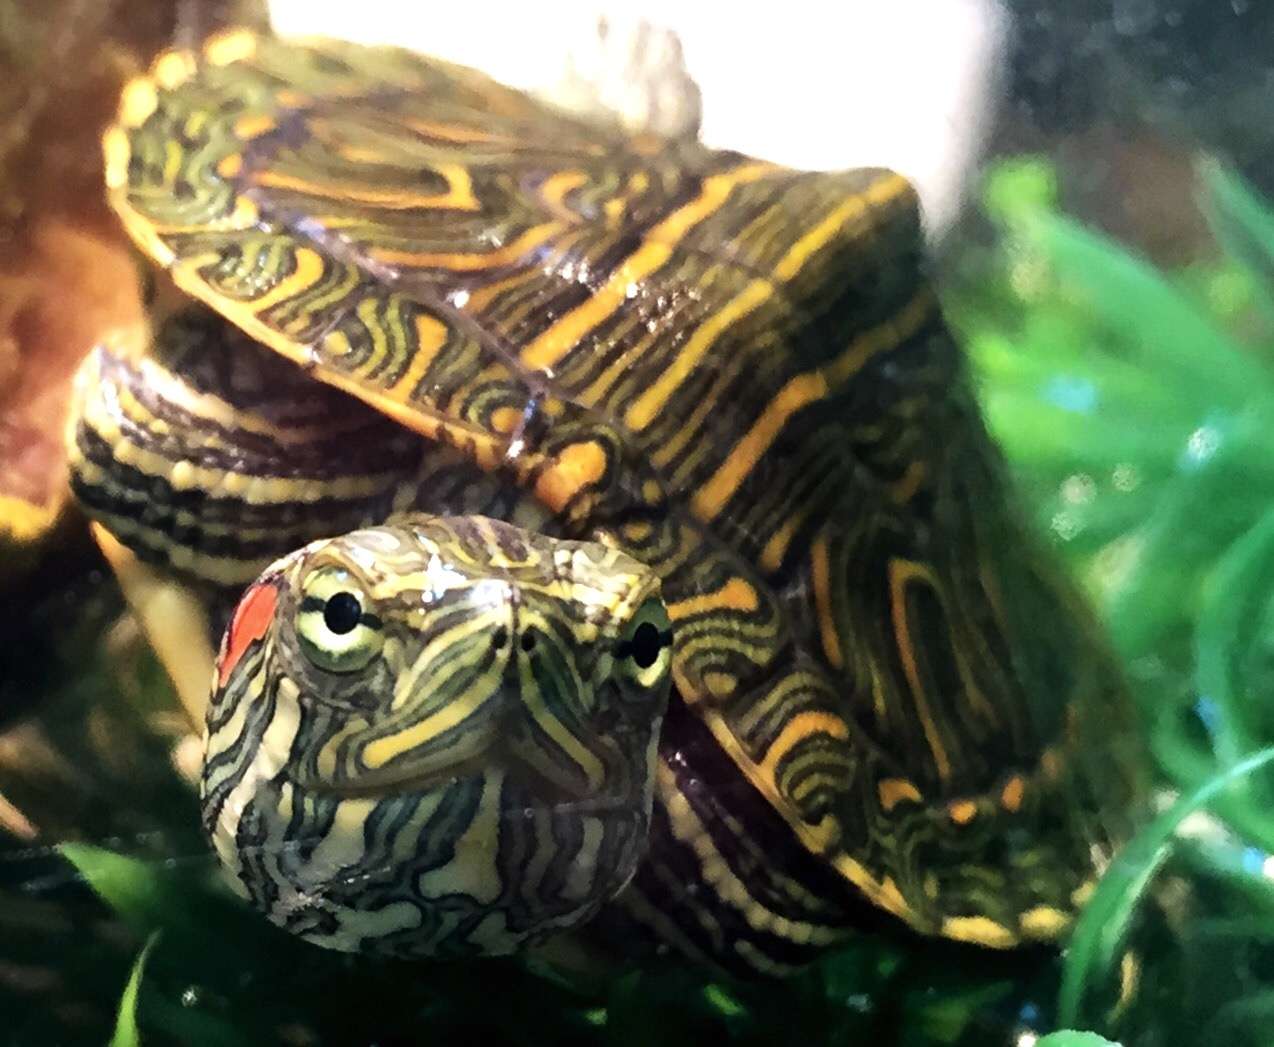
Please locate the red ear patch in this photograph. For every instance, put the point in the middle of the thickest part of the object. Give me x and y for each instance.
(251, 621)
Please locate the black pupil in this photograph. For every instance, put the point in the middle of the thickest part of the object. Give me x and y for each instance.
(342, 613)
(645, 645)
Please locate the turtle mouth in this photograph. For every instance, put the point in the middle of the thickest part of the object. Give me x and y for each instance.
(550, 791)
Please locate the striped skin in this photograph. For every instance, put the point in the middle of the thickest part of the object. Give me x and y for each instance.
(734, 372)
(473, 772)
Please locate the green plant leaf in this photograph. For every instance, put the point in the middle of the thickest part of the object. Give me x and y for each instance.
(1071, 1038)
(127, 1033)
(1243, 222)
(1169, 333)
(1102, 926)
(127, 885)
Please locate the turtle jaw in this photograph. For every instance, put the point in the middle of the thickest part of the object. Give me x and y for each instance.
(470, 863)
(548, 785)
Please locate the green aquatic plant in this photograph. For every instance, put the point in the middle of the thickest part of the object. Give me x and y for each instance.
(1133, 405)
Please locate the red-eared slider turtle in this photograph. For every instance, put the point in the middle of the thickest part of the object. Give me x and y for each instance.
(645, 566)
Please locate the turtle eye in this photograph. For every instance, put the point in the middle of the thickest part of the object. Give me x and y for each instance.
(644, 652)
(335, 626)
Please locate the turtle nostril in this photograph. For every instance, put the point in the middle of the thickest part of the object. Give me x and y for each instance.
(499, 638)
(528, 641)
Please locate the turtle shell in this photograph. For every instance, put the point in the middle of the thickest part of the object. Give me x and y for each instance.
(736, 372)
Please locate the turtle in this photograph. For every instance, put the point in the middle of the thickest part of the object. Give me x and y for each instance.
(602, 535)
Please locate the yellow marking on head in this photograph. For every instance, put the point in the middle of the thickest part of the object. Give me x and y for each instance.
(510, 253)
(173, 68)
(900, 572)
(574, 468)
(962, 812)
(253, 125)
(879, 192)
(736, 595)
(1044, 923)
(233, 45)
(980, 930)
(473, 867)
(552, 344)
(533, 701)
(893, 791)
(138, 100)
(796, 730)
(458, 195)
(381, 751)
(1012, 793)
(821, 572)
(1081, 894)
(431, 336)
(799, 392)
(230, 165)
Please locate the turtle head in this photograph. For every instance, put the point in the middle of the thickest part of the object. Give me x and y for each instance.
(437, 737)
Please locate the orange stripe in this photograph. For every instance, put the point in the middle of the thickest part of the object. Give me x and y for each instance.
(512, 252)
(551, 345)
(893, 791)
(431, 335)
(899, 573)
(458, 197)
(820, 568)
(800, 392)
(795, 731)
(735, 595)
